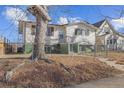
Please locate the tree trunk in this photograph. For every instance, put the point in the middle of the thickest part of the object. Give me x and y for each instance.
(39, 43)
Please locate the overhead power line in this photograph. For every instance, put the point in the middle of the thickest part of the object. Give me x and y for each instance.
(110, 17)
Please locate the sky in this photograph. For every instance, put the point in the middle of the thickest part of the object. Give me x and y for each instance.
(9, 16)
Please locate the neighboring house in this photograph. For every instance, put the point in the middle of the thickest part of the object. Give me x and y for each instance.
(5, 46)
(67, 38)
(2, 48)
(107, 36)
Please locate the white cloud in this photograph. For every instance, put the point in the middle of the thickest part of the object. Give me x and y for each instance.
(62, 20)
(65, 20)
(14, 14)
(74, 19)
(118, 23)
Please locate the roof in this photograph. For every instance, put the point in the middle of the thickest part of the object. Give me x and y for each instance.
(114, 30)
(120, 34)
(99, 23)
(34, 23)
(82, 22)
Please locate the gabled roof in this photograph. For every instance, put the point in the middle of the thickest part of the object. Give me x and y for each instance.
(98, 24)
(114, 30)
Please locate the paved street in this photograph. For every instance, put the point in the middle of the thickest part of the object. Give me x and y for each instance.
(111, 82)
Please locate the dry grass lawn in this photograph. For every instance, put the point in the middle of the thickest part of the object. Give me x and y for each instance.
(65, 71)
(117, 56)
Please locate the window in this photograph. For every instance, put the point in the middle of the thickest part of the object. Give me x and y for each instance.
(110, 41)
(33, 29)
(86, 32)
(61, 36)
(113, 41)
(21, 26)
(107, 41)
(106, 30)
(50, 31)
(78, 31)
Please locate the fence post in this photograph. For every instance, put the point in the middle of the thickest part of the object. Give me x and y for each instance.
(106, 51)
(95, 45)
(95, 50)
(68, 48)
(78, 48)
(4, 44)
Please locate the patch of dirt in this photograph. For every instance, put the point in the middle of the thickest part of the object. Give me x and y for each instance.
(7, 65)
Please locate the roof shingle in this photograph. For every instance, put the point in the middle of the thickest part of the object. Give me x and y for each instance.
(98, 24)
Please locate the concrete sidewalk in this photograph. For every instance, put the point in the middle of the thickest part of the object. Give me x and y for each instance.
(112, 63)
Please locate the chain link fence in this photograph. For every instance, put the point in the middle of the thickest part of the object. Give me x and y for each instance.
(70, 49)
(63, 48)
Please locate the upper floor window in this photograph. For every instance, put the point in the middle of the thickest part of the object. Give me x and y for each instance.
(82, 32)
(78, 31)
(33, 29)
(87, 32)
(106, 30)
(50, 31)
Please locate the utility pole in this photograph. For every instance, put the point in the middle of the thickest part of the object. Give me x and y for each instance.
(42, 18)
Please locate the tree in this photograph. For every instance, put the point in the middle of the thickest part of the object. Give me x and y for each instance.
(42, 18)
